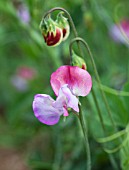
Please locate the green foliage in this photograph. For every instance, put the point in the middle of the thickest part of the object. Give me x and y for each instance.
(21, 44)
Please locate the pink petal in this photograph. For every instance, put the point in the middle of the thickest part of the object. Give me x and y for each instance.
(116, 34)
(65, 112)
(78, 80)
(116, 31)
(45, 111)
(125, 27)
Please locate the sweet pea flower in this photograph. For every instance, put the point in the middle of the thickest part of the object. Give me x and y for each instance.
(78, 80)
(68, 82)
(117, 29)
(48, 111)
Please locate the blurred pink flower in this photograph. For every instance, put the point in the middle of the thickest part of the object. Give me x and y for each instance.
(23, 13)
(68, 82)
(116, 31)
(26, 72)
(20, 80)
(19, 83)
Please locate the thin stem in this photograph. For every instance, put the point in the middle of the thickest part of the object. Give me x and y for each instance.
(70, 20)
(112, 159)
(84, 129)
(98, 109)
(114, 91)
(102, 93)
(97, 76)
(58, 150)
(113, 162)
(93, 94)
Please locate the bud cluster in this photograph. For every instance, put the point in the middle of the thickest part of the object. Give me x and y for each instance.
(54, 32)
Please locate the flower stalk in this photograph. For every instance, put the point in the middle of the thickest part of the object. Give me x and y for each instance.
(96, 74)
(98, 109)
(113, 162)
(84, 130)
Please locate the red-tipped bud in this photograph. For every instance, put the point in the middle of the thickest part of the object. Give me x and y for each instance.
(51, 32)
(84, 66)
(78, 61)
(64, 25)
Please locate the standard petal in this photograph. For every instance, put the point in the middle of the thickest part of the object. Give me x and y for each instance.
(44, 110)
(78, 80)
(59, 78)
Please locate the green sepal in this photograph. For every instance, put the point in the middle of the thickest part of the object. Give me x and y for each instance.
(61, 20)
(77, 61)
(48, 25)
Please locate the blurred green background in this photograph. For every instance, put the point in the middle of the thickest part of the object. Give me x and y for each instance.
(26, 64)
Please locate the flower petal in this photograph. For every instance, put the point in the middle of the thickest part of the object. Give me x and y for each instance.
(66, 99)
(116, 34)
(116, 31)
(65, 112)
(78, 80)
(45, 111)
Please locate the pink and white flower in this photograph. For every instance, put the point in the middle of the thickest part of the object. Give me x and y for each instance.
(117, 29)
(68, 82)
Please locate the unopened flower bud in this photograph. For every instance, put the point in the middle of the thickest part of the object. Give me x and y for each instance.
(51, 32)
(78, 61)
(64, 25)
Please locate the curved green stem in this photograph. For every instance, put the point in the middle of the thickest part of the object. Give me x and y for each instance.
(114, 91)
(84, 129)
(98, 109)
(70, 20)
(93, 94)
(97, 76)
(117, 148)
(113, 162)
(112, 137)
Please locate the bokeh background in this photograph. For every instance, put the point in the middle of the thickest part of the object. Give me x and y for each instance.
(26, 64)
